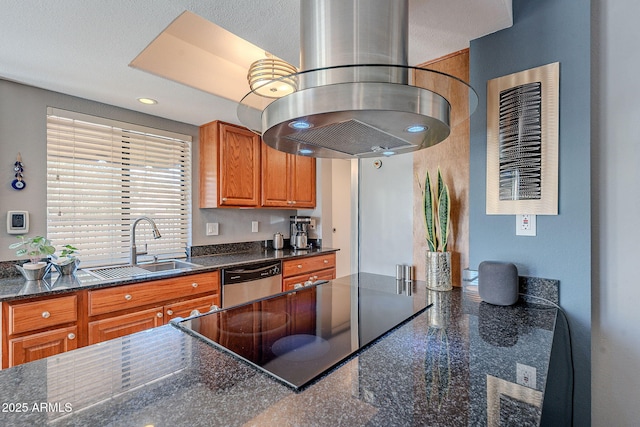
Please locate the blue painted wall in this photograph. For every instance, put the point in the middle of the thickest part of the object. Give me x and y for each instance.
(544, 31)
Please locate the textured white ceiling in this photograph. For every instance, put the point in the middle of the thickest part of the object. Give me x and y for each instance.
(83, 47)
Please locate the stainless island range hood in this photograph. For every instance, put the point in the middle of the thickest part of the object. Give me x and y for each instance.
(356, 96)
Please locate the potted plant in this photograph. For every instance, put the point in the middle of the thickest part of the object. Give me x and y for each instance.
(437, 206)
(67, 262)
(36, 248)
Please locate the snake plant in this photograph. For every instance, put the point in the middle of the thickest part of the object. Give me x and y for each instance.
(437, 206)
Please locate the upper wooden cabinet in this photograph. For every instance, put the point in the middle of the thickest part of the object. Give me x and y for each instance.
(288, 181)
(229, 166)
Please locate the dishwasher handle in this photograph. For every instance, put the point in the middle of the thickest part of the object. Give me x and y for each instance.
(239, 275)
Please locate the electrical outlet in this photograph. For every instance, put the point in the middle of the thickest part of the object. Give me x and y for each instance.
(312, 224)
(526, 375)
(525, 225)
(212, 229)
(254, 226)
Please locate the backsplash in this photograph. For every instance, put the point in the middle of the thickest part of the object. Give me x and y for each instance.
(8, 269)
(232, 248)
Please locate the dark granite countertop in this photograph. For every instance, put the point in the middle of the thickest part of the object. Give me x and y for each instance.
(455, 364)
(16, 287)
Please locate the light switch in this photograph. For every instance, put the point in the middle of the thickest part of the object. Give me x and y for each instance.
(254, 226)
(212, 229)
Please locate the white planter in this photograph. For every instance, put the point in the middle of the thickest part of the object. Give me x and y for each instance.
(34, 271)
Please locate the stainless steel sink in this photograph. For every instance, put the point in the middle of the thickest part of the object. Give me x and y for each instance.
(125, 271)
(171, 264)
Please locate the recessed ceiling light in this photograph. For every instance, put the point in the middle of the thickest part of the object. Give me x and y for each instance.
(416, 128)
(147, 101)
(300, 124)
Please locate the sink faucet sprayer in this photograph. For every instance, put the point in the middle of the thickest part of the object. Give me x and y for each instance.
(156, 235)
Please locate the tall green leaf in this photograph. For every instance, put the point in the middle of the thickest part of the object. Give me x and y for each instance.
(444, 208)
(429, 214)
(444, 205)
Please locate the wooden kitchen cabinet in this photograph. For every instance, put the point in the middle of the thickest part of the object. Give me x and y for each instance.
(288, 181)
(120, 298)
(229, 166)
(37, 328)
(123, 310)
(46, 326)
(298, 271)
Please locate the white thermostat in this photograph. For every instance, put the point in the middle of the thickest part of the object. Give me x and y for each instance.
(17, 222)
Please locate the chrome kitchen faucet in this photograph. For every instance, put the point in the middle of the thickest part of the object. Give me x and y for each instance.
(134, 251)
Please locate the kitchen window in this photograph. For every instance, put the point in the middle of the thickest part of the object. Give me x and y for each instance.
(103, 174)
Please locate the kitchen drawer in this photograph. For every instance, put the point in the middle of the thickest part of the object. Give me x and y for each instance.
(299, 266)
(31, 316)
(289, 283)
(108, 300)
(187, 308)
(126, 324)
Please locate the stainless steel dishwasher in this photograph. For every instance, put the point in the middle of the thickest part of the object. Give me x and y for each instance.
(250, 282)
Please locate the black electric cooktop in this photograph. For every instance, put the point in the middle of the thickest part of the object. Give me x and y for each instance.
(298, 336)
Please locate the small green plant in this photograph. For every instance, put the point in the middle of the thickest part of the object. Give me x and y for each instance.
(35, 248)
(437, 206)
(67, 255)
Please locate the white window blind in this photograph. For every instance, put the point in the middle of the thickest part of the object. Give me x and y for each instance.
(102, 175)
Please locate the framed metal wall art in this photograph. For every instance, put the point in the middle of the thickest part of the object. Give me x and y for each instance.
(522, 142)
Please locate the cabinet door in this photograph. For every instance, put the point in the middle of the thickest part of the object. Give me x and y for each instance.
(44, 344)
(239, 166)
(229, 166)
(275, 178)
(118, 326)
(303, 181)
(190, 307)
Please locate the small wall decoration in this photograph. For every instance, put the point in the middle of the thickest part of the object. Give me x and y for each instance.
(522, 142)
(18, 183)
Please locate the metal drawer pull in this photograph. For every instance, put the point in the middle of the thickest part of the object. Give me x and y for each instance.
(326, 261)
(299, 265)
(214, 308)
(71, 336)
(159, 314)
(170, 312)
(194, 284)
(194, 312)
(297, 286)
(46, 314)
(128, 297)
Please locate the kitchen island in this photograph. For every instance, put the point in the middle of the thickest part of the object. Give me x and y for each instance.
(456, 363)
